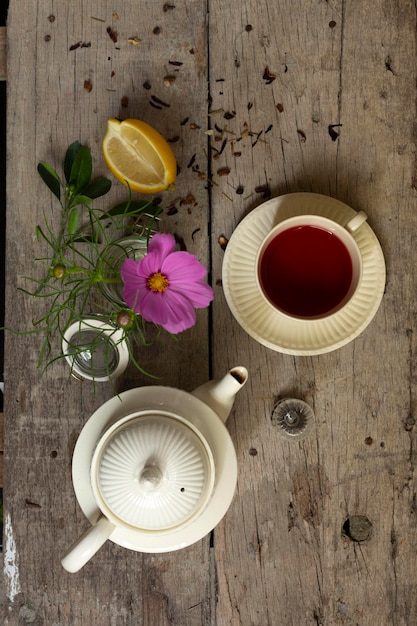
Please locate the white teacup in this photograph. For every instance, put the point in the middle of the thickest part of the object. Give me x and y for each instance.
(309, 267)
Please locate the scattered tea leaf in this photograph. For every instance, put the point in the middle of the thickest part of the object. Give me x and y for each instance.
(264, 190)
(112, 34)
(223, 171)
(268, 76)
(159, 101)
(192, 161)
(302, 135)
(257, 135)
(223, 241)
(216, 112)
(88, 86)
(169, 80)
(189, 199)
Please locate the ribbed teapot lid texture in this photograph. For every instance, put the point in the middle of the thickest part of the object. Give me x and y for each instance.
(154, 472)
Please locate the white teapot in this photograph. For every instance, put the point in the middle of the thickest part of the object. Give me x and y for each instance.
(154, 468)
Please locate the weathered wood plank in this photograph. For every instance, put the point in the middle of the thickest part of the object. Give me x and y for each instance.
(281, 554)
(48, 109)
(3, 53)
(309, 97)
(1, 447)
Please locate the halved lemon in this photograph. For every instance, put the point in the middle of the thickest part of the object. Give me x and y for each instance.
(138, 156)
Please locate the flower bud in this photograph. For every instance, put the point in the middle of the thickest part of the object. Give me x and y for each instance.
(59, 271)
(125, 319)
(70, 189)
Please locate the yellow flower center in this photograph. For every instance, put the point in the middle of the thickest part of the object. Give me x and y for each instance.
(158, 282)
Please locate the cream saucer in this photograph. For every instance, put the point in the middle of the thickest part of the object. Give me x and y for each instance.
(203, 419)
(271, 328)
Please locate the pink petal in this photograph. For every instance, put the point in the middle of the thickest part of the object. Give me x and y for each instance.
(181, 313)
(169, 310)
(135, 286)
(153, 308)
(134, 296)
(129, 270)
(148, 265)
(183, 267)
(200, 294)
(160, 246)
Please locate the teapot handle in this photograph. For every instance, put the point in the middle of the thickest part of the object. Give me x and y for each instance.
(87, 545)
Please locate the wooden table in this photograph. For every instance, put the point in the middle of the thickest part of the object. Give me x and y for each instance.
(300, 96)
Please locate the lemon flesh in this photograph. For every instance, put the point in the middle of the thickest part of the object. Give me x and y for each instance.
(138, 156)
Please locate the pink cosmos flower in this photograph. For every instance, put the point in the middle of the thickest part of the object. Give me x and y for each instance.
(166, 286)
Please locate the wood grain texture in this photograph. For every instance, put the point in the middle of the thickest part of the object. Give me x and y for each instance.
(1, 447)
(3, 52)
(48, 109)
(337, 119)
(299, 96)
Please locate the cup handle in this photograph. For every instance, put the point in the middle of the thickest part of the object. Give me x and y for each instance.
(356, 221)
(87, 545)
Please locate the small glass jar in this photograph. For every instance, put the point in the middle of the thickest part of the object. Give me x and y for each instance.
(112, 259)
(95, 350)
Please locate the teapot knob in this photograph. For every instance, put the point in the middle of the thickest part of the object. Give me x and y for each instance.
(150, 478)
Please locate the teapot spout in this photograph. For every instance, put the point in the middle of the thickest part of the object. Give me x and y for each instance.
(220, 394)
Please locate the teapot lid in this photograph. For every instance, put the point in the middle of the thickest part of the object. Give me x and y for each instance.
(153, 472)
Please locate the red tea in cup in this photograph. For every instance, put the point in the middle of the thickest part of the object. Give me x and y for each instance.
(309, 267)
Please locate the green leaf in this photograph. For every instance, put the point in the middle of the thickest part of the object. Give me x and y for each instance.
(86, 239)
(132, 207)
(73, 221)
(81, 169)
(97, 187)
(70, 155)
(81, 199)
(39, 233)
(50, 178)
